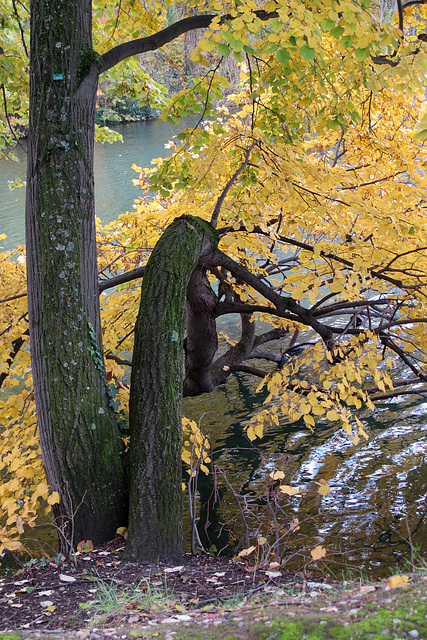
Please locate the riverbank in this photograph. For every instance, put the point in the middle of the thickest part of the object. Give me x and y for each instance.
(103, 595)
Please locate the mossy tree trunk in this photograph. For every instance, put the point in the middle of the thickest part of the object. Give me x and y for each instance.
(155, 515)
(79, 439)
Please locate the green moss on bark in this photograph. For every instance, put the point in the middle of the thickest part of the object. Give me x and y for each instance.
(155, 516)
(79, 438)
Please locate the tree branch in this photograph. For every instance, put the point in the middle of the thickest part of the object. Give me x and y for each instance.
(219, 202)
(20, 28)
(16, 346)
(157, 40)
(244, 368)
(120, 279)
(218, 258)
(9, 124)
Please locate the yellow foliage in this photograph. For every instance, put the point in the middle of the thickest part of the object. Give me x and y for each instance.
(330, 211)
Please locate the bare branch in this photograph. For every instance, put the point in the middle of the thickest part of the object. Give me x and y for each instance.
(20, 28)
(121, 279)
(244, 368)
(218, 258)
(126, 363)
(388, 342)
(9, 124)
(19, 295)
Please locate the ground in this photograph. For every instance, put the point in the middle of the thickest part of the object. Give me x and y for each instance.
(101, 595)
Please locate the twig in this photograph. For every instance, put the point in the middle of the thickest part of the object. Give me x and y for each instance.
(220, 201)
(20, 28)
(17, 140)
(236, 497)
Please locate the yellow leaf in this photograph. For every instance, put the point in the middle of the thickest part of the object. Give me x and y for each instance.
(277, 475)
(12, 545)
(324, 488)
(290, 491)
(261, 540)
(206, 45)
(41, 490)
(122, 531)
(246, 552)
(259, 430)
(251, 433)
(397, 581)
(53, 498)
(332, 415)
(20, 525)
(318, 552)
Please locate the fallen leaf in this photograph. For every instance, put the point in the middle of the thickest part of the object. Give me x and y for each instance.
(173, 569)
(46, 603)
(397, 581)
(277, 475)
(45, 593)
(367, 589)
(274, 565)
(324, 488)
(51, 608)
(66, 578)
(273, 574)
(290, 491)
(318, 552)
(85, 546)
(133, 619)
(246, 552)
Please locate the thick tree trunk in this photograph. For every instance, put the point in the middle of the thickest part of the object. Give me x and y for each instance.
(155, 515)
(81, 448)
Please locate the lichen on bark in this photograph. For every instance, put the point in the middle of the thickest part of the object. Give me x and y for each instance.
(79, 438)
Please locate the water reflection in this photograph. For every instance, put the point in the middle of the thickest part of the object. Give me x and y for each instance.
(378, 487)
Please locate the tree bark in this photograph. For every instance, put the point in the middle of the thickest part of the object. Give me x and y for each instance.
(201, 342)
(155, 514)
(81, 448)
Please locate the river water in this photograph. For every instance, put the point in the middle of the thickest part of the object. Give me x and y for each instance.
(114, 191)
(378, 498)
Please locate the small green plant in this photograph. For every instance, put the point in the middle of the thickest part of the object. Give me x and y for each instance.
(113, 601)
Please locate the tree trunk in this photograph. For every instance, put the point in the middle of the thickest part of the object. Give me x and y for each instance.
(82, 451)
(155, 472)
(201, 342)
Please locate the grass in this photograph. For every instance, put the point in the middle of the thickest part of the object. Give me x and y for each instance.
(112, 601)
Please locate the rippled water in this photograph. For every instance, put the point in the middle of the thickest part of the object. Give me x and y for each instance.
(378, 487)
